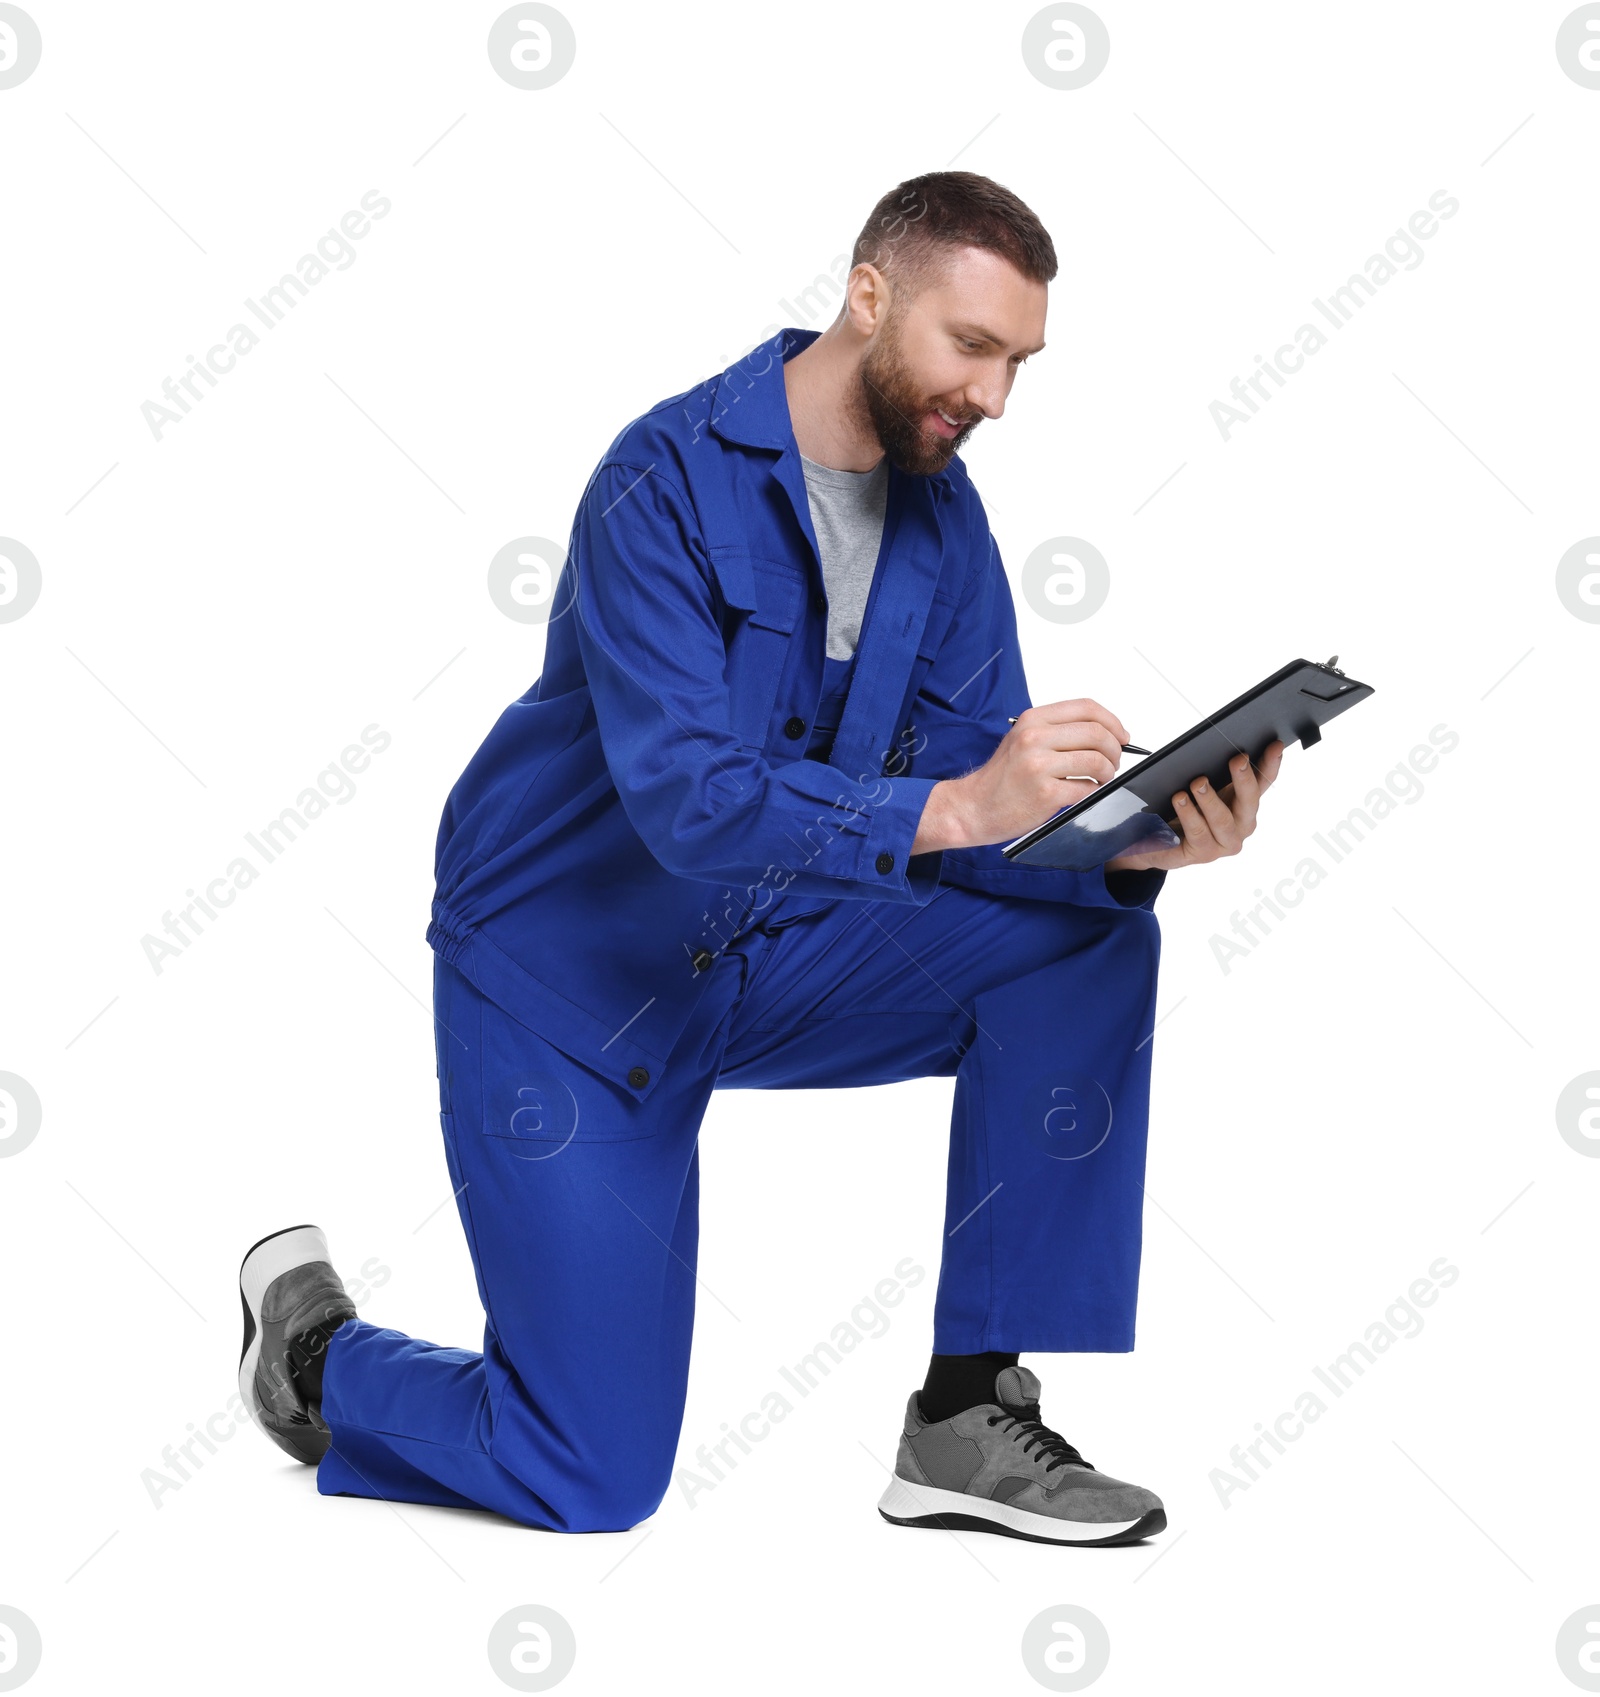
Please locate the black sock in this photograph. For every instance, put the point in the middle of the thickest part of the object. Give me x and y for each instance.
(308, 1351)
(959, 1382)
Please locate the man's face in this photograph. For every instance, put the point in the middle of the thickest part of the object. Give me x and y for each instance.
(946, 359)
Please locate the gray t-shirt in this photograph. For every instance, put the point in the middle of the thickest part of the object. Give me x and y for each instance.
(847, 509)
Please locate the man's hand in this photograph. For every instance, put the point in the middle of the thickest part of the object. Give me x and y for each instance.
(1052, 757)
(1211, 824)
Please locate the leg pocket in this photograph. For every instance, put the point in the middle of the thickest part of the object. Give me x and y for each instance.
(538, 1097)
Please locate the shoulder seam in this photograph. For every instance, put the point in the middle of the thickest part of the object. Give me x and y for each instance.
(690, 505)
(652, 470)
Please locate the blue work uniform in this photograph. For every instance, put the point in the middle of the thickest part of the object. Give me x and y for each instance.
(682, 861)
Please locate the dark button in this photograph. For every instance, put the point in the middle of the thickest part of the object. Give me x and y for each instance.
(820, 602)
(884, 863)
(794, 728)
(638, 1077)
(701, 959)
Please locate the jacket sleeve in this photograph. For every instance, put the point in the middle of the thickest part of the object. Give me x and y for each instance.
(974, 687)
(707, 807)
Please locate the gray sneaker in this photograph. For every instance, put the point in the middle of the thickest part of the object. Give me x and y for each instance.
(288, 1288)
(999, 1468)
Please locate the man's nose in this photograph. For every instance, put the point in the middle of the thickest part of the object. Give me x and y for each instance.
(988, 396)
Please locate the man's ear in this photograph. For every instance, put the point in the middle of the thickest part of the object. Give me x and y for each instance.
(867, 294)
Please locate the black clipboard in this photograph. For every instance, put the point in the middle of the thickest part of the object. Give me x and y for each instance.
(1135, 807)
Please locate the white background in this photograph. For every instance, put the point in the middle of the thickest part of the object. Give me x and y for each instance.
(1371, 1088)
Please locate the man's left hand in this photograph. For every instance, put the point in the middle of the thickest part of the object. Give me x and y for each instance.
(1211, 823)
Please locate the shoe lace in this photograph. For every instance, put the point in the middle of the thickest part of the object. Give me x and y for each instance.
(1030, 1427)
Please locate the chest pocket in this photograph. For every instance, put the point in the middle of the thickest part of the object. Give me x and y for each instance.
(763, 600)
(940, 613)
(910, 736)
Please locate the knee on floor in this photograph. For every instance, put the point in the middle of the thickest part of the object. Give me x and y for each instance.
(602, 1497)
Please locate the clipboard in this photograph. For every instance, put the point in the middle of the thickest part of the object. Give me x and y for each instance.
(1135, 807)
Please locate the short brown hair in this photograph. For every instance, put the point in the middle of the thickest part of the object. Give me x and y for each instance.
(907, 229)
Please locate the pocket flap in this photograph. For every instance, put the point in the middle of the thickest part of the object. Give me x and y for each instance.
(735, 579)
(768, 590)
(778, 592)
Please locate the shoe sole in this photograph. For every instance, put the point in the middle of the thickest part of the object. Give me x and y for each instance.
(273, 1256)
(908, 1504)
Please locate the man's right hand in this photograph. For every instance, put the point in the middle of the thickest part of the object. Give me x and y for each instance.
(1052, 757)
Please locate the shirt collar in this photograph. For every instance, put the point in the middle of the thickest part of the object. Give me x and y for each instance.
(751, 405)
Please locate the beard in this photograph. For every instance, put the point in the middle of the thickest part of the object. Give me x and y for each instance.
(894, 404)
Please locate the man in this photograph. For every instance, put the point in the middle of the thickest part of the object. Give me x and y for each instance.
(742, 833)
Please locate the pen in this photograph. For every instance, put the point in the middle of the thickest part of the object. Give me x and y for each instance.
(1127, 747)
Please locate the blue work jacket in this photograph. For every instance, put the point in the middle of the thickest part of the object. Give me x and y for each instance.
(652, 796)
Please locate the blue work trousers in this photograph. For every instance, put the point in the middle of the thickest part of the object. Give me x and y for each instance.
(581, 1204)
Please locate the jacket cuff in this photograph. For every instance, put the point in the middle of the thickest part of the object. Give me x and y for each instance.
(885, 862)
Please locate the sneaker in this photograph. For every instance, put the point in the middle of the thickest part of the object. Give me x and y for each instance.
(288, 1288)
(999, 1468)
